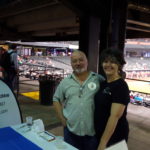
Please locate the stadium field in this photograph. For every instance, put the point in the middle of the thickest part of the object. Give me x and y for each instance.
(139, 86)
(134, 85)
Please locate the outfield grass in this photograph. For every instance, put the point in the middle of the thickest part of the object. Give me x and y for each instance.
(139, 86)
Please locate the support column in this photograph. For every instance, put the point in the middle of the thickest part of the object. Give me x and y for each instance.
(105, 31)
(88, 41)
(119, 18)
(113, 26)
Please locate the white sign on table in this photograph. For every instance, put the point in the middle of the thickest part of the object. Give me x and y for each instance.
(9, 109)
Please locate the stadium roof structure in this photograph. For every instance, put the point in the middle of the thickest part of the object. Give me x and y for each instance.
(59, 20)
(138, 44)
(63, 44)
(133, 46)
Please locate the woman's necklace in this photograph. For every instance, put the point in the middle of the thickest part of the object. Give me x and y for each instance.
(113, 79)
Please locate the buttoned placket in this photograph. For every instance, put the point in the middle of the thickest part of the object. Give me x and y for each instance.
(81, 92)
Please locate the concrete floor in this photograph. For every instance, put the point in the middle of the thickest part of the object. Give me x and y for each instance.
(138, 116)
(139, 121)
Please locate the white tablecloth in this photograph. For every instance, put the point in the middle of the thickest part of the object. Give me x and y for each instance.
(36, 139)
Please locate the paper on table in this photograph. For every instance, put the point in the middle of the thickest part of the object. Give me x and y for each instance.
(119, 146)
(38, 125)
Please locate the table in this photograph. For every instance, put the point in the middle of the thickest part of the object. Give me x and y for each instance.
(29, 138)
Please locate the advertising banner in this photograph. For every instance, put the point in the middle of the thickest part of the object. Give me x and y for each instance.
(9, 109)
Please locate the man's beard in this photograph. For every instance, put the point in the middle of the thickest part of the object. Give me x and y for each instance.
(80, 70)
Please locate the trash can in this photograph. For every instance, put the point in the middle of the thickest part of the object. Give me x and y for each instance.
(47, 86)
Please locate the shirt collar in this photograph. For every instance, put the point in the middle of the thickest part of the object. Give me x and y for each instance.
(73, 76)
(10, 50)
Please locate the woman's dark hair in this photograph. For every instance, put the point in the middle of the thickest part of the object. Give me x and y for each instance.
(114, 54)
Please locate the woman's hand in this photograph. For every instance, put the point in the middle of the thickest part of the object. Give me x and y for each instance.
(64, 121)
(101, 146)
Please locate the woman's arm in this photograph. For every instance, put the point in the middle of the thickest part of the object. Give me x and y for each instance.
(116, 112)
(59, 110)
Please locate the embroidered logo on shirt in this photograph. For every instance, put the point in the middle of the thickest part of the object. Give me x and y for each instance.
(92, 86)
(107, 91)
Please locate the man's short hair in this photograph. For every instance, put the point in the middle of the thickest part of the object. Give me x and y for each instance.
(2, 49)
(12, 46)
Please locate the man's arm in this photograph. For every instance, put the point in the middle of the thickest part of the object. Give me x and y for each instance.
(59, 109)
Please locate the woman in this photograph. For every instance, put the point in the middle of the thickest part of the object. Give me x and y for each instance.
(111, 101)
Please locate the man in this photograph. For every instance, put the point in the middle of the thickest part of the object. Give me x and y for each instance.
(11, 71)
(74, 103)
(2, 51)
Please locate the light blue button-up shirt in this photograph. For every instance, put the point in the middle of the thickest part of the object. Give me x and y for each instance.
(78, 102)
